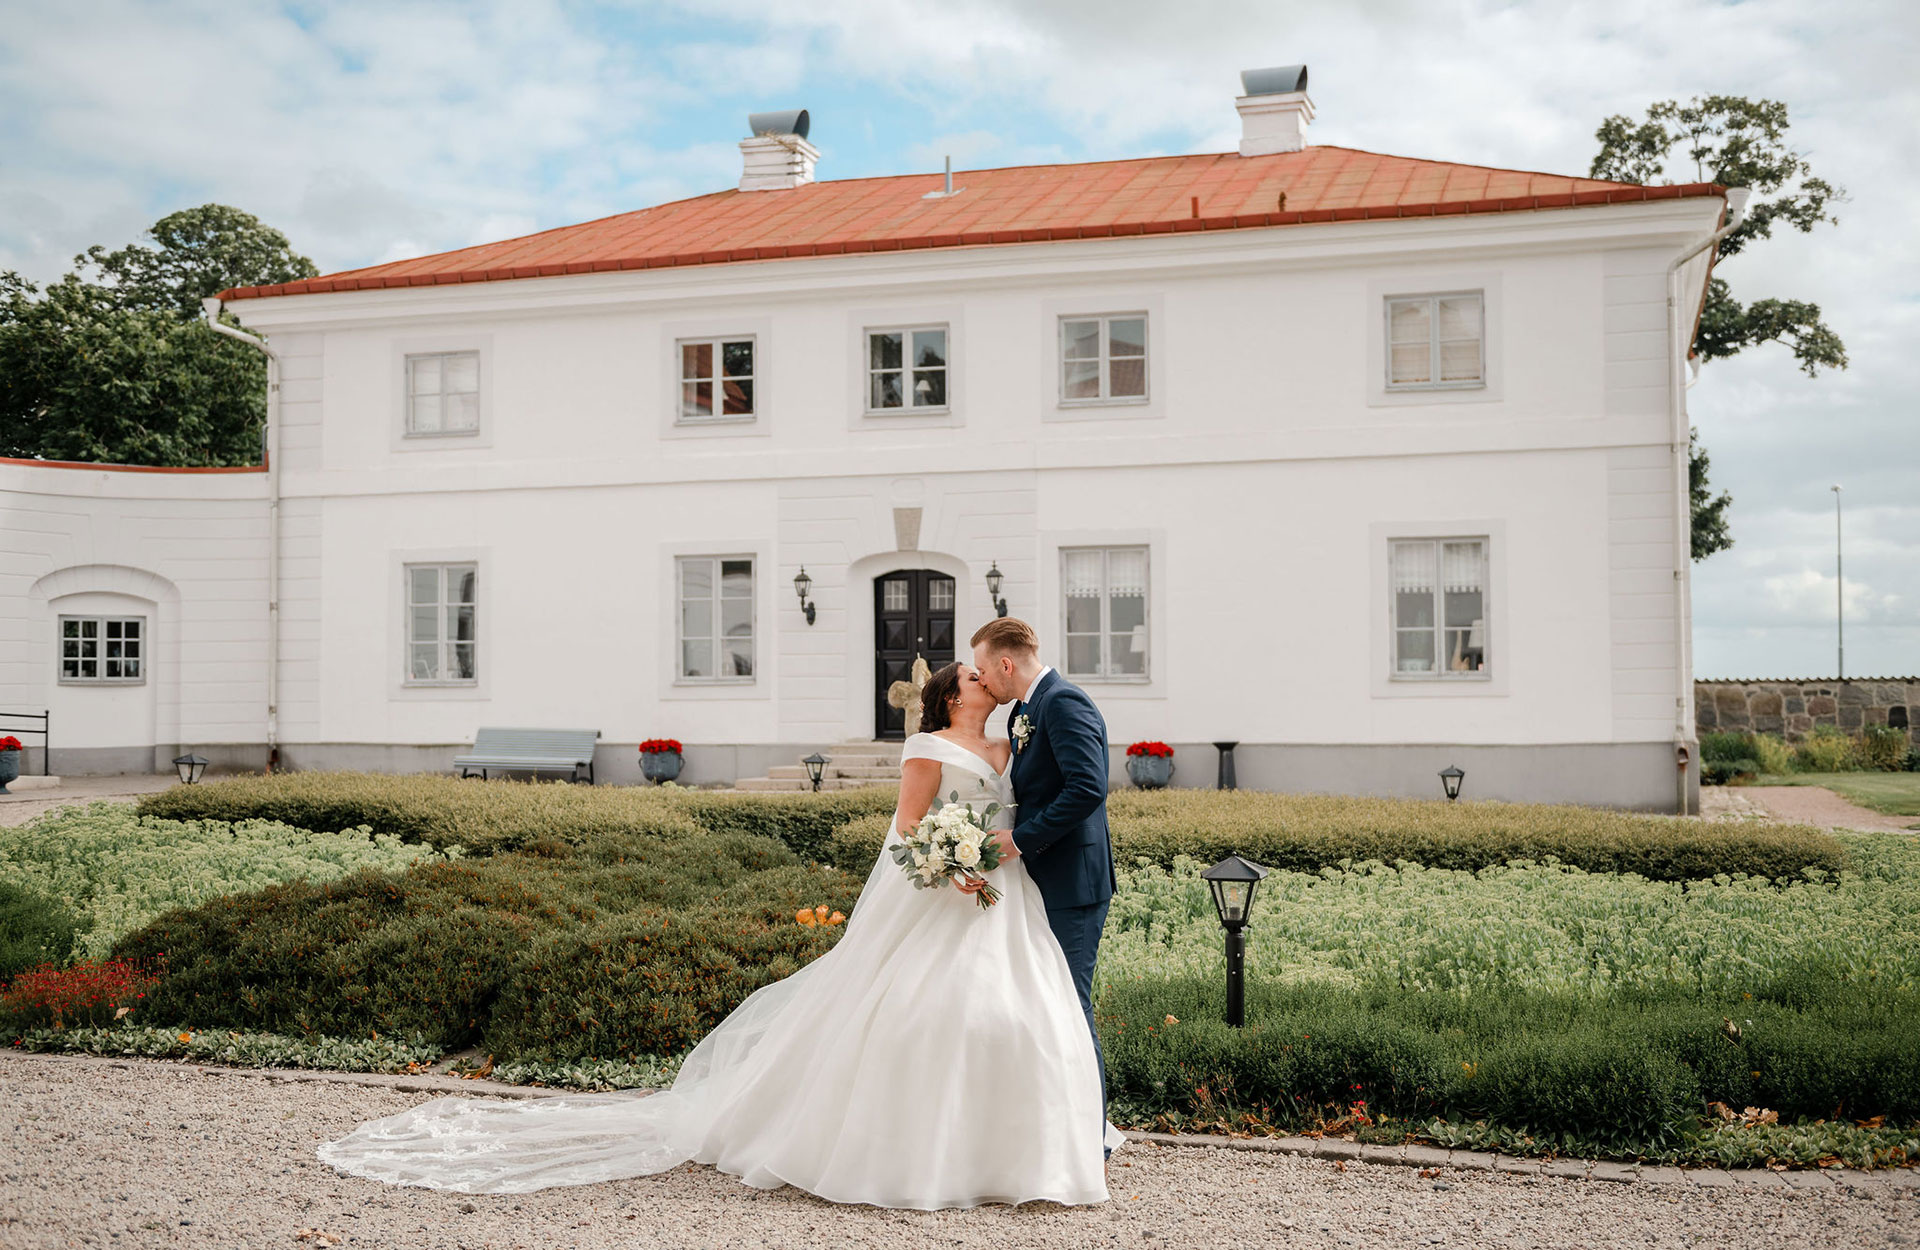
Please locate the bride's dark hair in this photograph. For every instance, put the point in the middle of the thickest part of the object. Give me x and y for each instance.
(936, 698)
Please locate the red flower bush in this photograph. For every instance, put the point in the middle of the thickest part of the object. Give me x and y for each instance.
(1151, 748)
(660, 746)
(86, 993)
(10, 743)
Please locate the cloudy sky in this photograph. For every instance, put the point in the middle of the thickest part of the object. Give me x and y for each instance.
(375, 130)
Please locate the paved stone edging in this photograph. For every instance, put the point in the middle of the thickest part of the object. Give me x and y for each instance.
(1879, 1181)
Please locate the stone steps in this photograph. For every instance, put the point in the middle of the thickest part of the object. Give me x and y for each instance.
(851, 765)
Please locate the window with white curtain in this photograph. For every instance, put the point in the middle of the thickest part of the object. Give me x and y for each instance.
(1105, 608)
(1439, 607)
(1436, 341)
(1103, 359)
(443, 393)
(716, 618)
(442, 624)
(105, 650)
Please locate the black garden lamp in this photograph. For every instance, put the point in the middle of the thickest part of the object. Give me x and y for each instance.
(190, 766)
(801, 585)
(1233, 881)
(994, 578)
(1450, 777)
(816, 765)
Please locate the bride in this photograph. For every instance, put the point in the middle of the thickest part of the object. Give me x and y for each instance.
(936, 1057)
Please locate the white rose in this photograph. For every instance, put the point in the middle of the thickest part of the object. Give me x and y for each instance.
(967, 854)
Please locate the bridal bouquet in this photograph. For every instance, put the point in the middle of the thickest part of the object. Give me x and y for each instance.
(951, 843)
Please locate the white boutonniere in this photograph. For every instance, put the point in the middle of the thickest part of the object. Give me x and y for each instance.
(1022, 730)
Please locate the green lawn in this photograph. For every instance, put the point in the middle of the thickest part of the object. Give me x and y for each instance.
(1896, 794)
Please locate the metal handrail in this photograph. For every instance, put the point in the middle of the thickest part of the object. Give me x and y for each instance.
(46, 738)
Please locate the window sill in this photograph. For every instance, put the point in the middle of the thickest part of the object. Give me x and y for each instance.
(1080, 679)
(712, 683)
(101, 681)
(699, 423)
(908, 412)
(440, 685)
(1441, 679)
(433, 434)
(1122, 401)
(1414, 388)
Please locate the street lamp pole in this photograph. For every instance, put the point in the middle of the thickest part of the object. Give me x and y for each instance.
(1840, 584)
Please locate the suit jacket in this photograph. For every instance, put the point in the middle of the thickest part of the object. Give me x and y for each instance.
(1060, 784)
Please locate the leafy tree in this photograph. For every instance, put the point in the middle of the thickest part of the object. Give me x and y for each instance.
(1735, 142)
(110, 363)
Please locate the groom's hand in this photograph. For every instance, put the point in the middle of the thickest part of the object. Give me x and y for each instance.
(1003, 839)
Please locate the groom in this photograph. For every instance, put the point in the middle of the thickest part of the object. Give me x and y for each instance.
(1059, 774)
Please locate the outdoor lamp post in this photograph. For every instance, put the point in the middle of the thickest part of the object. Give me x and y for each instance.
(994, 578)
(801, 585)
(190, 766)
(1233, 881)
(816, 765)
(1450, 777)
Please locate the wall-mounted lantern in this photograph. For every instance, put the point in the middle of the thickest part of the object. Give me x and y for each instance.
(1450, 777)
(994, 578)
(801, 585)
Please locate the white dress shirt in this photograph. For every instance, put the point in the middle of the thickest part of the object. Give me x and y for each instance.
(1040, 677)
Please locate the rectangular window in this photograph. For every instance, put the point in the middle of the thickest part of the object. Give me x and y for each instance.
(442, 632)
(1439, 596)
(1103, 359)
(103, 649)
(907, 369)
(443, 393)
(716, 618)
(716, 371)
(1435, 341)
(1105, 593)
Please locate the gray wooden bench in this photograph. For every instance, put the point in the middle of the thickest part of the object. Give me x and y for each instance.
(537, 749)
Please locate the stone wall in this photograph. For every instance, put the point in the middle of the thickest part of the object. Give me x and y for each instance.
(1792, 708)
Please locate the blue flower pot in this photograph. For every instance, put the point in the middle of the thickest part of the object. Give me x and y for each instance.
(659, 766)
(1150, 772)
(9, 769)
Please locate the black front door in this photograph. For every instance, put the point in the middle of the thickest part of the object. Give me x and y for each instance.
(912, 616)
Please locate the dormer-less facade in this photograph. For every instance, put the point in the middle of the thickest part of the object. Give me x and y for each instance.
(1369, 464)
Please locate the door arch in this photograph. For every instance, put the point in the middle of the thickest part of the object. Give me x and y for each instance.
(913, 615)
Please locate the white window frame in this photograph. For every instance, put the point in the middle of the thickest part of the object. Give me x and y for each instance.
(868, 370)
(479, 381)
(441, 639)
(1434, 341)
(100, 657)
(1441, 673)
(1106, 550)
(717, 344)
(1105, 360)
(716, 637)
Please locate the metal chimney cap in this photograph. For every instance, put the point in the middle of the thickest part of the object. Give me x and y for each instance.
(780, 122)
(1279, 80)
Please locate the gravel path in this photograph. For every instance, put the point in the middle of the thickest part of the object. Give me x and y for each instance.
(22, 805)
(142, 1154)
(1817, 805)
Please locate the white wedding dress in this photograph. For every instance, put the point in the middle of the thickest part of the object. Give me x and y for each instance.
(936, 1057)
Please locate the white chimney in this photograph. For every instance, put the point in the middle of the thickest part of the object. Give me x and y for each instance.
(777, 157)
(1275, 111)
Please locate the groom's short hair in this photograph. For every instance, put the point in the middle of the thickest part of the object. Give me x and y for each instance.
(1007, 635)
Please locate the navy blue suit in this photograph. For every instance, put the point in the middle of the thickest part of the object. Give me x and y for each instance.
(1060, 786)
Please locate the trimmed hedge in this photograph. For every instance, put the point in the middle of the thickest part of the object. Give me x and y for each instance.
(504, 815)
(1308, 832)
(1630, 1073)
(433, 950)
(34, 929)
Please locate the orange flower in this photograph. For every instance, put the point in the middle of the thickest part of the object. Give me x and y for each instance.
(820, 913)
(1173, 1019)
(805, 916)
(838, 917)
(186, 1037)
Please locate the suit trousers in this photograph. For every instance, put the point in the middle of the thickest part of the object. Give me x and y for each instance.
(1079, 929)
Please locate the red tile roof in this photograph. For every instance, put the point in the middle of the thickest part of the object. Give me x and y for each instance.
(1025, 204)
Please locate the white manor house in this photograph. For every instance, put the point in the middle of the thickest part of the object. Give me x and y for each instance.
(1371, 464)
